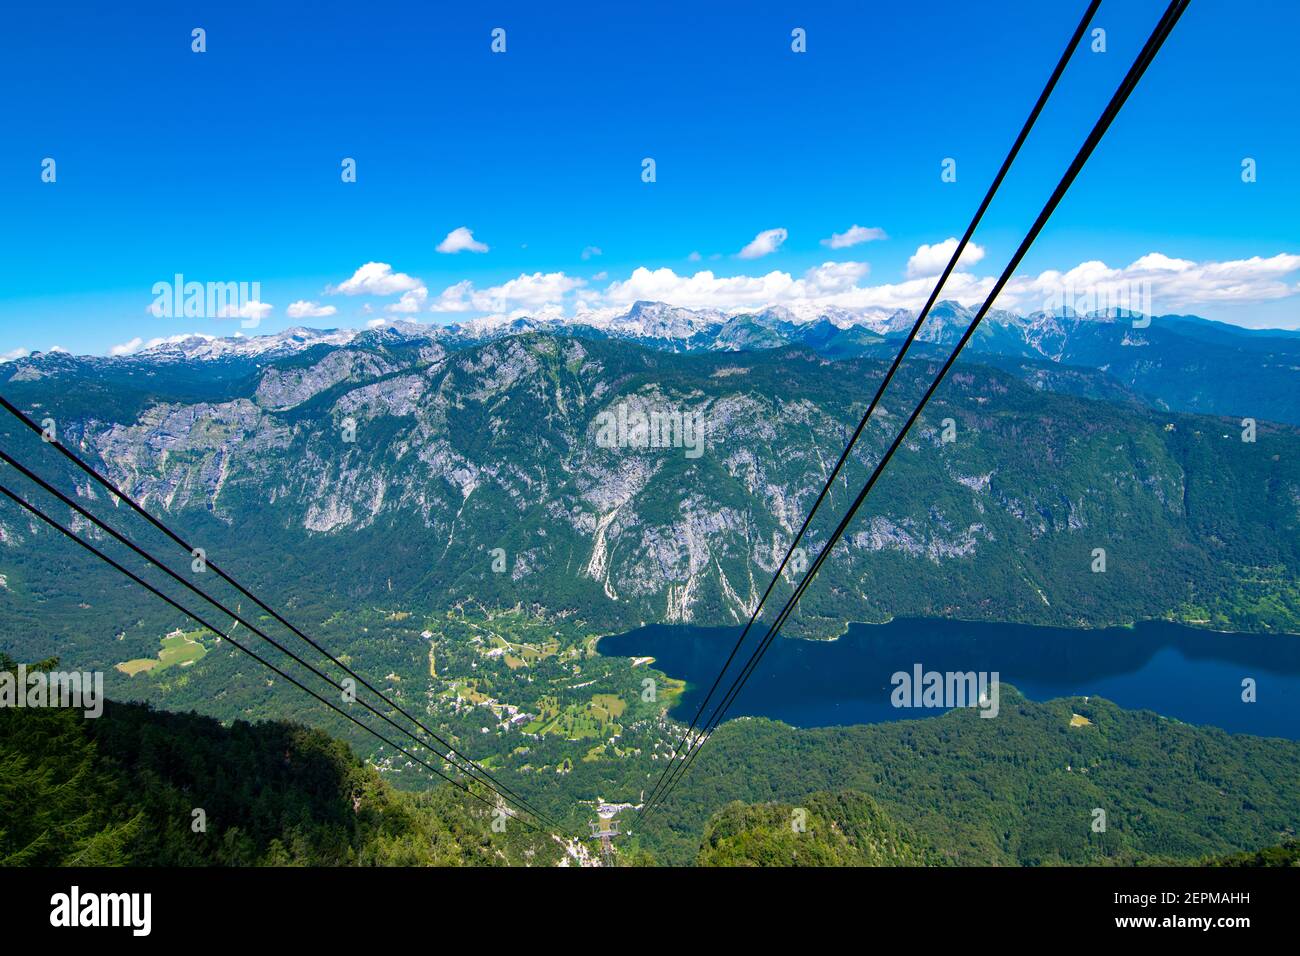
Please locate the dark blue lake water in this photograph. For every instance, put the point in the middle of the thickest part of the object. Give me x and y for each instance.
(1192, 675)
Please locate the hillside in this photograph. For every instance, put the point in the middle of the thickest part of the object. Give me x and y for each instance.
(382, 470)
(841, 829)
(129, 788)
(448, 519)
(954, 790)
(1019, 790)
(1288, 854)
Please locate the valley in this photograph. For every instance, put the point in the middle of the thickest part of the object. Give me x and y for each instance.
(441, 512)
(479, 473)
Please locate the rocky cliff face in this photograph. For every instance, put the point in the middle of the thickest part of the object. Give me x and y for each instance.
(516, 470)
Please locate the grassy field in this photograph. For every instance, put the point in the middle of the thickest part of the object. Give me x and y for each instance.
(177, 649)
(608, 707)
(138, 666)
(596, 718)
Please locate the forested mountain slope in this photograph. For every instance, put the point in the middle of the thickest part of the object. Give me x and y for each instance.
(380, 470)
(125, 788)
(1022, 789)
(153, 788)
(826, 829)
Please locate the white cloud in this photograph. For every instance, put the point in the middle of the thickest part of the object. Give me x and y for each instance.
(912, 293)
(853, 236)
(591, 251)
(832, 277)
(250, 311)
(695, 257)
(932, 260)
(302, 309)
(701, 290)
(1159, 262)
(1175, 284)
(14, 354)
(126, 348)
(139, 344)
(528, 291)
(830, 284)
(461, 240)
(704, 289)
(455, 298)
(765, 243)
(1170, 284)
(375, 278)
(412, 301)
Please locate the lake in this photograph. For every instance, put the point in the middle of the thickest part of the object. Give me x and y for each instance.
(1192, 675)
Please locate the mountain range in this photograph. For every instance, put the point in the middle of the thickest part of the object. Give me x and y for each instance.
(1173, 362)
(466, 463)
(445, 508)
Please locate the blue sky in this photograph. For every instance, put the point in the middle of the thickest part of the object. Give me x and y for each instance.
(224, 166)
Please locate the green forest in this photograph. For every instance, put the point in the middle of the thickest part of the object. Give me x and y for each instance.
(131, 788)
(143, 787)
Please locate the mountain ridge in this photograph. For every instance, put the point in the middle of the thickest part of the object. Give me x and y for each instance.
(458, 455)
(1172, 362)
